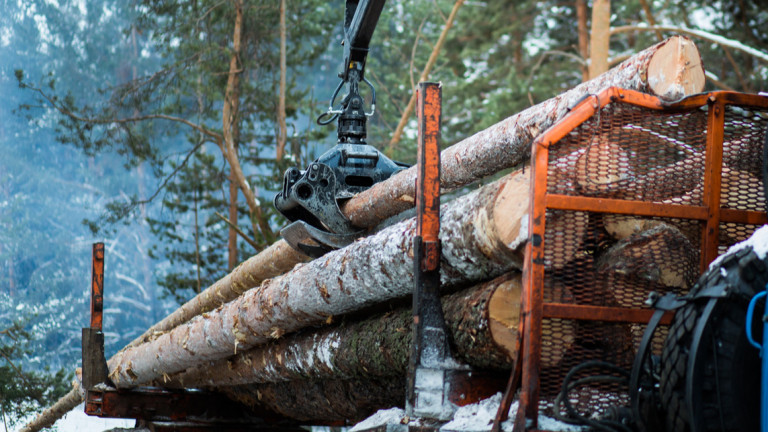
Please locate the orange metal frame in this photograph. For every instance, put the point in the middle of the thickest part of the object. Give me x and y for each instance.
(534, 308)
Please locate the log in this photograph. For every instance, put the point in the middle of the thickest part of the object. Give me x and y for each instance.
(369, 271)
(507, 143)
(317, 402)
(502, 146)
(273, 261)
(661, 255)
(482, 321)
(602, 167)
(49, 416)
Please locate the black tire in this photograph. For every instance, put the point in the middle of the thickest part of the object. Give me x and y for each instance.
(727, 385)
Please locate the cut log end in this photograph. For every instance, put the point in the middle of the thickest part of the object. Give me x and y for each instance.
(513, 203)
(676, 70)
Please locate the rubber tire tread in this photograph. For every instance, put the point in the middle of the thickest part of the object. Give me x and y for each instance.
(736, 406)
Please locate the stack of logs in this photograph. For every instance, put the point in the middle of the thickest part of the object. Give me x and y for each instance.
(329, 339)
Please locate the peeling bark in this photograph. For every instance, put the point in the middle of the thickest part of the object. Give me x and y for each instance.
(271, 262)
(482, 321)
(371, 270)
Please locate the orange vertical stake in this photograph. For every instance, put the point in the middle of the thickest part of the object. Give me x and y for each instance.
(97, 286)
(428, 187)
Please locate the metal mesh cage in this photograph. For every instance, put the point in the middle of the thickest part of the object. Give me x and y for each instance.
(631, 196)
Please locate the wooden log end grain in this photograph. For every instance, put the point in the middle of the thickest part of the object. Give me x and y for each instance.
(661, 256)
(676, 70)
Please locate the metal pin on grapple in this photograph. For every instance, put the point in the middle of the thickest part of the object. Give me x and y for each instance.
(310, 198)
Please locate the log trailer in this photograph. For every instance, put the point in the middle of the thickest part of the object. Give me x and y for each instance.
(601, 288)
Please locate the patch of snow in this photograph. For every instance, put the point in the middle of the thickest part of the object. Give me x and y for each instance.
(758, 242)
(476, 417)
(380, 418)
(77, 421)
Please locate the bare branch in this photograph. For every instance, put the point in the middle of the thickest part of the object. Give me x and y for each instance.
(240, 232)
(424, 76)
(125, 120)
(710, 37)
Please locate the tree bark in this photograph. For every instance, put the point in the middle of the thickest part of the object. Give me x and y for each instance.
(581, 17)
(282, 131)
(482, 321)
(231, 232)
(504, 145)
(498, 147)
(661, 255)
(507, 143)
(229, 117)
(273, 261)
(348, 401)
(600, 37)
(475, 234)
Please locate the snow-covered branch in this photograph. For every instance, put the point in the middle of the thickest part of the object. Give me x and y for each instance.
(701, 34)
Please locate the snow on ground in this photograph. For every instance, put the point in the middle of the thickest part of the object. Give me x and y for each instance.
(77, 421)
(477, 417)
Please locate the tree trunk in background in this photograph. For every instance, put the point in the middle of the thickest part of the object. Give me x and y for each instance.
(282, 131)
(229, 117)
(232, 258)
(581, 16)
(600, 37)
(423, 77)
(476, 230)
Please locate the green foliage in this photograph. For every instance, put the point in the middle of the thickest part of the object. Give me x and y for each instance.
(21, 391)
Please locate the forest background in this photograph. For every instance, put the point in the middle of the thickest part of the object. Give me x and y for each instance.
(162, 128)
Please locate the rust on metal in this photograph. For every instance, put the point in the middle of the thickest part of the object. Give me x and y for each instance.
(713, 182)
(645, 163)
(97, 286)
(468, 387)
(162, 405)
(598, 313)
(428, 179)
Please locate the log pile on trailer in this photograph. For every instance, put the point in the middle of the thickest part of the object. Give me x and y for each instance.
(328, 340)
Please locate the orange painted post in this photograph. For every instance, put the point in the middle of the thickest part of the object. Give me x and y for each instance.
(94, 363)
(97, 286)
(428, 180)
(431, 367)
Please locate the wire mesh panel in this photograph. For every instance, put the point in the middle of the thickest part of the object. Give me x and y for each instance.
(630, 197)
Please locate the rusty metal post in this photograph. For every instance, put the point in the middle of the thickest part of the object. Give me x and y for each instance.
(94, 363)
(713, 169)
(428, 393)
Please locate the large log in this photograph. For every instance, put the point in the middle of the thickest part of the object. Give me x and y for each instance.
(318, 402)
(371, 270)
(482, 321)
(273, 261)
(501, 146)
(507, 143)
